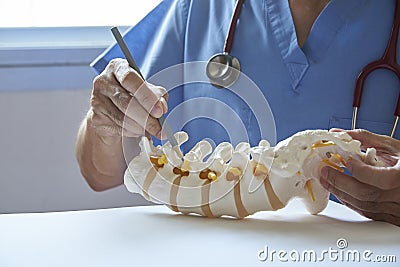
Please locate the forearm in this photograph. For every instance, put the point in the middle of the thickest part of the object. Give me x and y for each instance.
(101, 159)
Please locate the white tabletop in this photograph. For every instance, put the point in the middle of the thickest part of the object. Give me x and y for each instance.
(156, 236)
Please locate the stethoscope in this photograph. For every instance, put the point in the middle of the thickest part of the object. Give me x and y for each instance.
(223, 69)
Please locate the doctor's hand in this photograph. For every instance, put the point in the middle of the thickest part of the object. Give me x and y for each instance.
(123, 104)
(371, 191)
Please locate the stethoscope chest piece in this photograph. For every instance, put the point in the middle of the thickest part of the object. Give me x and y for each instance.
(223, 70)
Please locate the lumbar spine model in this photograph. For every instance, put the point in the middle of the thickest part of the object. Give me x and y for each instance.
(230, 182)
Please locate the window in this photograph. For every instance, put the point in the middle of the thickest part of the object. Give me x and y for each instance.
(53, 42)
(72, 13)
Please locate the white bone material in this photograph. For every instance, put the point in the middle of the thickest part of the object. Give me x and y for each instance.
(243, 180)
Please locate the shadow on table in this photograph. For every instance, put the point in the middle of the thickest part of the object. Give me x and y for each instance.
(311, 227)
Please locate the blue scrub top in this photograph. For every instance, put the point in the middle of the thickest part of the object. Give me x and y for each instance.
(306, 88)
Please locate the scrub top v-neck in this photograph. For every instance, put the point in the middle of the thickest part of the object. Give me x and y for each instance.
(306, 88)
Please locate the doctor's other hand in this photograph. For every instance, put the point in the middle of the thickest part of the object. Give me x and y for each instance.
(371, 191)
(122, 104)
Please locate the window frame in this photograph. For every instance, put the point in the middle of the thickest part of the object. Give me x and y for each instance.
(50, 58)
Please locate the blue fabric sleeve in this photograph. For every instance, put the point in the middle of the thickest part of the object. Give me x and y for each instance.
(156, 42)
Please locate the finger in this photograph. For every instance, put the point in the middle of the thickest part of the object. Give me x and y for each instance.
(114, 130)
(104, 126)
(126, 76)
(385, 178)
(130, 106)
(377, 216)
(147, 95)
(148, 135)
(98, 120)
(165, 96)
(130, 128)
(108, 94)
(368, 139)
(346, 185)
(135, 111)
(391, 195)
(336, 130)
(164, 104)
(387, 159)
(380, 142)
(125, 125)
(136, 119)
(110, 88)
(389, 207)
(334, 180)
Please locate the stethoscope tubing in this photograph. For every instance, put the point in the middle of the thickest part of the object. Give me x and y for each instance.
(388, 62)
(232, 28)
(223, 69)
(228, 73)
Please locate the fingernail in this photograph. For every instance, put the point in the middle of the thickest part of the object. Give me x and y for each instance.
(164, 105)
(156, 112)
(336, 130)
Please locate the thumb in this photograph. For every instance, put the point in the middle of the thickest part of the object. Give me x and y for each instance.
(368, 139)
(385, 178)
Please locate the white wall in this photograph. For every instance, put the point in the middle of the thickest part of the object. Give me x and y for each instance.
(38, 170)
(45, 85)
